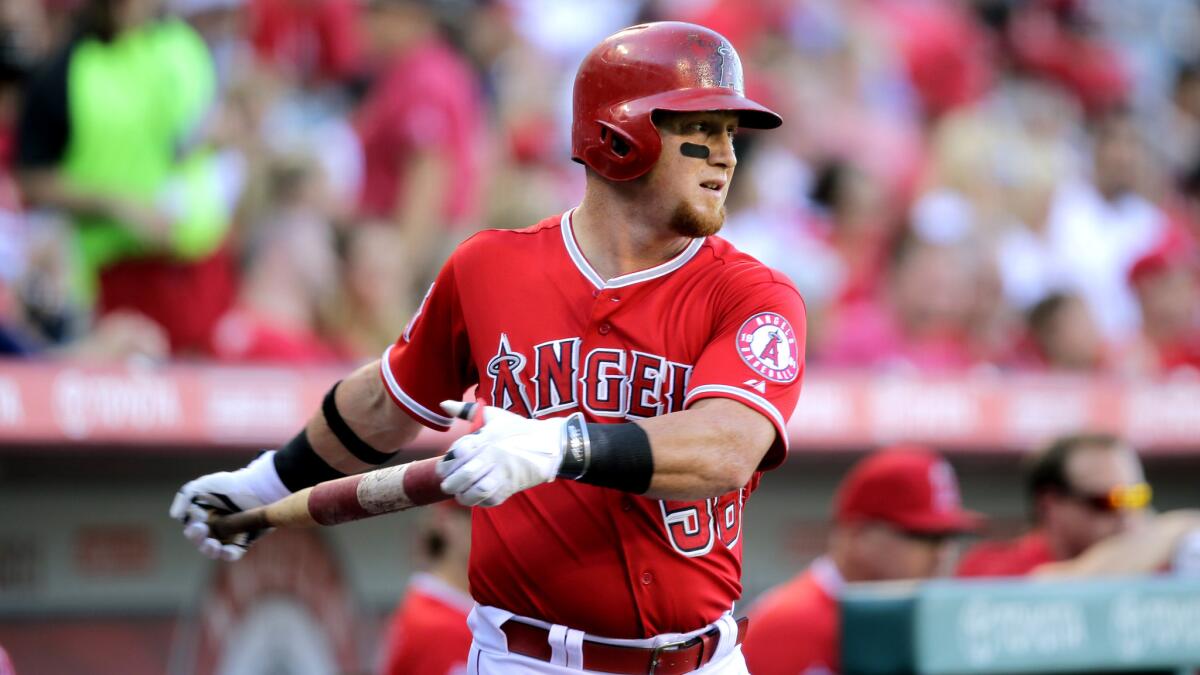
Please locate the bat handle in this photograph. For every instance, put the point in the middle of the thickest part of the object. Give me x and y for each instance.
(223, 528)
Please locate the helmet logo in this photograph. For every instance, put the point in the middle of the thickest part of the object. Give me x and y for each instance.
(718, 65)
(724, 79)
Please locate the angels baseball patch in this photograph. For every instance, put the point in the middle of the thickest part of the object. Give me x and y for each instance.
(767, 344)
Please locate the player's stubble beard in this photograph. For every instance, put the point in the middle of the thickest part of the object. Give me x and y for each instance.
(688, 221)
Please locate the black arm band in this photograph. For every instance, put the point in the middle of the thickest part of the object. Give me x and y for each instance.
(615, 456)
(299, 466)
(357, 446)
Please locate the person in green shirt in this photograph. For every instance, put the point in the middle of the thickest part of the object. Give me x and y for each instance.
(103, 137)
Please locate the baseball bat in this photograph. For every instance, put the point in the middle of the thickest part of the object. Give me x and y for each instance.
(386, 490)
(341, 500)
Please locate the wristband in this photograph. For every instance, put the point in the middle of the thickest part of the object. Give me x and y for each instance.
(615, 456)
(299, 466)
(263, 479)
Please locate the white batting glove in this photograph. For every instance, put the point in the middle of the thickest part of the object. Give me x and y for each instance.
(508, 454)
(221, 494)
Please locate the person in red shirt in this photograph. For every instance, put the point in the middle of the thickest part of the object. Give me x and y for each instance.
(895, 515)
(428, 633)
(1082, 489)
(422, 131)
(310, 40)
(919, 319)
(1092, 516)
(635, 374)
(1166, 280)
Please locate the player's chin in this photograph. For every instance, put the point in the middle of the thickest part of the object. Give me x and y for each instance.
(698, 220)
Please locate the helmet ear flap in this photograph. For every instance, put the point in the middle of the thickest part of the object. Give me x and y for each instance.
(618, 153)
(616, 140)
(617, 144)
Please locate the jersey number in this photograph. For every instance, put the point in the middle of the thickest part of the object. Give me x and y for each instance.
(695, 527)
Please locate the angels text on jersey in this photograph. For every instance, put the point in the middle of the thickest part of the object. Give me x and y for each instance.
(617, 383)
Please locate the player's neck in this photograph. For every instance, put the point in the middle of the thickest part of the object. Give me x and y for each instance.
(846, 567)
(617, 238)
(453, 572)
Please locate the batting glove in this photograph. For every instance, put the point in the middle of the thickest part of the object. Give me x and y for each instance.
(221, 494)
(509, 453)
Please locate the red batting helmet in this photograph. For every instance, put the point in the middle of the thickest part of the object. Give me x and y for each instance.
(668, 65)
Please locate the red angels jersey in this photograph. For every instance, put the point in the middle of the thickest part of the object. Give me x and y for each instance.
(428, 633)
(794, 629)
(1013, 558)
(522, 314)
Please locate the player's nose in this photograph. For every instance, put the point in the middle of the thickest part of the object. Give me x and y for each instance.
(721, 152)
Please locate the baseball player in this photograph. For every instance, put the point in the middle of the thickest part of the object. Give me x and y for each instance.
(895, 515)
(637, 374)
(428, 633)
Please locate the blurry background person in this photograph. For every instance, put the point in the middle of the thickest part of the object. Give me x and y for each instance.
(896, 514)
(1063, 337)
(421, 127)
(918, 319)
(1081, 489)
(308, 42)
(289, 276)
(107, 137)
(428, 632)
(1166, 281)
(1109, 215)
(37, 315)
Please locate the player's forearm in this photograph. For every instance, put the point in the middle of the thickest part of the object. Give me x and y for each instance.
(370, 413)
(706, 451)
(1142, 551)
(370, 422)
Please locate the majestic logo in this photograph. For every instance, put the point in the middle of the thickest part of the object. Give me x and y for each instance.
(767, 343)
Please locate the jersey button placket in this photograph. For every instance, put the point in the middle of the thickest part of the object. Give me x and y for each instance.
(606, 304)
(647, 578)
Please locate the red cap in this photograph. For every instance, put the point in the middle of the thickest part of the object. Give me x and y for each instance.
(1174, 249)
(910, 487)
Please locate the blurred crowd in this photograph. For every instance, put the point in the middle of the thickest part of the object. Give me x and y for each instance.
(959, 185)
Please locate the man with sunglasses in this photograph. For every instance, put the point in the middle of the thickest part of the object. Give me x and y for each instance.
(1091, 509)
(896, 515)
(1082, 489)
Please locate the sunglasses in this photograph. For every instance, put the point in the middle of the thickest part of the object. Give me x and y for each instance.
(1121, 498)
(929, 538)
